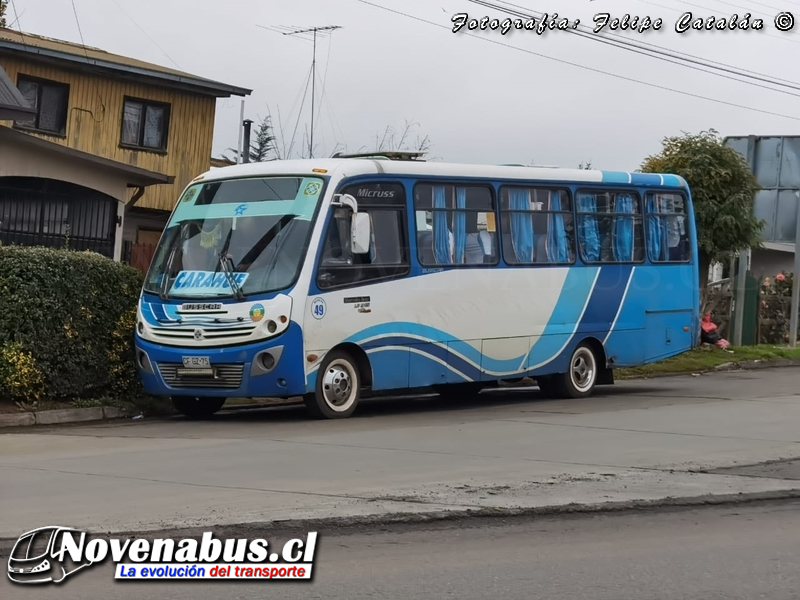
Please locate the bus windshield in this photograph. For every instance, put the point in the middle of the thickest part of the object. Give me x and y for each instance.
(235, 237)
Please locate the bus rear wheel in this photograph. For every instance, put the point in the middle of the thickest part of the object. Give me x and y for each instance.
(197, 408)
(580, 379)
(338, 387)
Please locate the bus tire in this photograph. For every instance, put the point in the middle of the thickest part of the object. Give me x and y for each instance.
(338, 387)
(580, 379)
(197, 408)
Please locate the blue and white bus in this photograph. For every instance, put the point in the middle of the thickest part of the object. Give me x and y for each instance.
(333, 279)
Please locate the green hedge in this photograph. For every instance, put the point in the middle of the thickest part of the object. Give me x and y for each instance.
(66, 324)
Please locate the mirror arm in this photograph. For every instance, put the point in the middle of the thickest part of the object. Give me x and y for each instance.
(346, 200)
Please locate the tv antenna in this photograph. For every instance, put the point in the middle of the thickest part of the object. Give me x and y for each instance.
(312, 30)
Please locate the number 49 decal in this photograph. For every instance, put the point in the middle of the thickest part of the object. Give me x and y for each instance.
(318, 308)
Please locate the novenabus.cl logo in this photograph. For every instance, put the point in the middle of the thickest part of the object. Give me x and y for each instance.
(49, 554)
(39, 557)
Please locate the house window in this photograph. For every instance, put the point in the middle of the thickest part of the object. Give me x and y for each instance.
(145, 124)
(50, 99)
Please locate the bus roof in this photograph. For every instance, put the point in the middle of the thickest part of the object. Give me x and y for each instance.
(362, 166)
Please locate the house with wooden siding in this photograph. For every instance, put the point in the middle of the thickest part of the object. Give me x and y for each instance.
(106, 145)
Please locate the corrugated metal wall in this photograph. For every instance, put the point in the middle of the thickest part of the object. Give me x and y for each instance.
(775, 161)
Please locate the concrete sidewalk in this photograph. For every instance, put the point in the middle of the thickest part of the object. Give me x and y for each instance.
(637, 440)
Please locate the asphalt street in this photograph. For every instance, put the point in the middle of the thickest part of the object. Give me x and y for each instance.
(636, 440)
(730, 553)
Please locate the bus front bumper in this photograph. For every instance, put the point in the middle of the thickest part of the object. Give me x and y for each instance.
(270, 368)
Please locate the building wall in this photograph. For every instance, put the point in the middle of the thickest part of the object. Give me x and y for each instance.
(768, 263)
(94, 125)
(26, 161)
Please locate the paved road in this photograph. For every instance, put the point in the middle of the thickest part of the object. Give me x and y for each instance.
(710, 554)
(638, 439)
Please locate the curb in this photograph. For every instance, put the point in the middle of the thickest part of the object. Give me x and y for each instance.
(744, 365)
(78, 415)
(342, 524)
(61, 416)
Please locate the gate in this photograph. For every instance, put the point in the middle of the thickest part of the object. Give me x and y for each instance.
(56, 214)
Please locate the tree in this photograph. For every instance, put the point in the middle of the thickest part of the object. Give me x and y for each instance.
(262, 144)
(586, 166)
(723, 190)
(3, 7)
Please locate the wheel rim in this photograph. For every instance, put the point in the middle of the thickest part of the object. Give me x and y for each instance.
(583, 369)
(339, 385)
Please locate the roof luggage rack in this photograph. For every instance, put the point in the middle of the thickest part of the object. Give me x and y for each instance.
(393, 155)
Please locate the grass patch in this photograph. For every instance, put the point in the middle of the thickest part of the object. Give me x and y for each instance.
(706, 358)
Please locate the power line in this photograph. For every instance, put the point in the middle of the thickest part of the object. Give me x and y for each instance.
(132, 20)
(16, 20)
(584, 67)
(80, 33)
(657, 52)
(314, 30)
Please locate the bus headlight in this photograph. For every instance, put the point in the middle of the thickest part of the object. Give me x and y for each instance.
(140, 327)
(272, 326)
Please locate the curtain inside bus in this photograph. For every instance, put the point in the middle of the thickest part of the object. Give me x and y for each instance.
(557, 242)
(441, 233)
(623, 228)
(588, 232)
(521, 225)
(460, 226)
(655, 230)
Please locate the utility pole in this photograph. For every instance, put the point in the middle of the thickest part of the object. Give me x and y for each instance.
(313, 30)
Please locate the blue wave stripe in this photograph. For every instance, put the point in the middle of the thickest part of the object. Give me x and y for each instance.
(616, 177)
(646, 179)
(580, 283)
(605, 300)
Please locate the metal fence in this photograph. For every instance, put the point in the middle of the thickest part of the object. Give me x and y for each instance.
(56, 214)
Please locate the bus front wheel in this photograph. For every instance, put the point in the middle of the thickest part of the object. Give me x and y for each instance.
(338, 387)
(197, 408)
(580, 379)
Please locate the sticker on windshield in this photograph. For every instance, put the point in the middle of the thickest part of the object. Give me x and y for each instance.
(190, 194)
(312, 189)
(240, 210)
(318, 308)
(205, 282)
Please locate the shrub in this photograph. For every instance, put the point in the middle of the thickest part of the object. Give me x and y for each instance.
(775, 309)
(66, 323)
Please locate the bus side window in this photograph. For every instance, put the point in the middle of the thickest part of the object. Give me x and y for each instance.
(610, 226)
(388, 253)
(667, 228)
(453, 225)
(537, 225)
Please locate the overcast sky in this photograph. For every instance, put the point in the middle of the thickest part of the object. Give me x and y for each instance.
(476, 100)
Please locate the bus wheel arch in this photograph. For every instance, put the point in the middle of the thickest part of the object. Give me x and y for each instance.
(343, 373)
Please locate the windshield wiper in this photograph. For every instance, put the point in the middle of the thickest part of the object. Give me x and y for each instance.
(163, 291)
(225, 261)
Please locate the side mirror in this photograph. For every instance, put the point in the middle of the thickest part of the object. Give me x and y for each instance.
(361, 234)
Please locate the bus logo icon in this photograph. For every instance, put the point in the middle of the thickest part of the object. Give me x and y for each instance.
(37, 557)
(257, 312)
(312, 189)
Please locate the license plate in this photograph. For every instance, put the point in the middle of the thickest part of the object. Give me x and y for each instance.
(196, 362)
